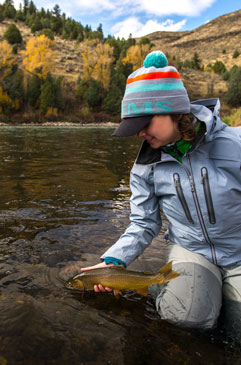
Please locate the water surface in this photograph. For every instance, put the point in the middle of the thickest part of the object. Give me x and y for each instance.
(64, 200)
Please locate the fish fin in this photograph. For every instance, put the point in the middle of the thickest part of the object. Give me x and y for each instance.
(167, 274)
(143, 291)
(166, 269)
(171, 275)
(117, 292)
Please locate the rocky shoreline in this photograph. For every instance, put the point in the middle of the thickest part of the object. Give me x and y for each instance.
(61, 124)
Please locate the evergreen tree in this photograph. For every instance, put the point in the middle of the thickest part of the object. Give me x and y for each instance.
(25, 6)
(112, 101)
(196, 62)
(9, 9)
(14, 85)
(1, 13)
(36, 24)
(93, 93)
(81, 90)
(32, 8)
(34, 91)
(233, 95)
(51, 94)
(12, 34)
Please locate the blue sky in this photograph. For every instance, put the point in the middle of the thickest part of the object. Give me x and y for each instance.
(140, 17)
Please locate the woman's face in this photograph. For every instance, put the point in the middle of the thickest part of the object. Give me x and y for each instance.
(160, 131)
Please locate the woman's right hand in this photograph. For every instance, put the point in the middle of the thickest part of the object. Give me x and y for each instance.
(98, 287)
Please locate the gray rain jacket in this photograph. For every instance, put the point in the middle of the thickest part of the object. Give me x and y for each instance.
(201, 197)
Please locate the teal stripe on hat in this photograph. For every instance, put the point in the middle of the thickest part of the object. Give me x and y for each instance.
(154, 87)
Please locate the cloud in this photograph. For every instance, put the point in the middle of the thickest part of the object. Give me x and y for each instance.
(152, 7)
(137, 29)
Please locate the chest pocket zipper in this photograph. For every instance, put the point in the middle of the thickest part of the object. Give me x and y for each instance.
(181, 197)
(207, 194)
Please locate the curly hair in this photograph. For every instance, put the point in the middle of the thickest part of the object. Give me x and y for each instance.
(186, 126)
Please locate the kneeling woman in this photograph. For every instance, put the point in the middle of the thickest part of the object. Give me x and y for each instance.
(189, 166)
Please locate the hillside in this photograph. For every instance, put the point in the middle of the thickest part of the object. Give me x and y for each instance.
(216, 40)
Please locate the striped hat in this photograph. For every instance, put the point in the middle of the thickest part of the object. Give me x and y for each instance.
(153, 89)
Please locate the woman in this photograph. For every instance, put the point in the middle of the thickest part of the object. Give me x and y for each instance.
(189, 166)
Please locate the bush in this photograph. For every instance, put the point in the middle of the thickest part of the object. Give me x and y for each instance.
(12, 34)
(236, 54)
(233, 95)
(47, 32)
(234, 119)
(219, 67)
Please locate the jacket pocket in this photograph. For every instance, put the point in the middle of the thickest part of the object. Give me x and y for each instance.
(177, 183)
(208, 196)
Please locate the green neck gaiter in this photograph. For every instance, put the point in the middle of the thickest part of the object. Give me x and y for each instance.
(180, 148)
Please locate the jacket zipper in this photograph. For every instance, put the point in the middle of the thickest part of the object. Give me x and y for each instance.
(207, 194)
(199, 212)
(181, 197)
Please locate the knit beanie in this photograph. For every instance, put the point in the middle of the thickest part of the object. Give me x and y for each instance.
(153, 89)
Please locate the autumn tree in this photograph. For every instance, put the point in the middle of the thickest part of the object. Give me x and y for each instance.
(6, 103)
(38, 58)
(97, 62)
(7, 60)
(136, 55)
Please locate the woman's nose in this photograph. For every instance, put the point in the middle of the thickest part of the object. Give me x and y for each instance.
(142, 133)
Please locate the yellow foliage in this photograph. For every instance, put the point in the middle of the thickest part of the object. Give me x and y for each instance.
(97, 63)
(39, 56)
(7, 59)
(52, 112)
(136, 55)
(6, 102)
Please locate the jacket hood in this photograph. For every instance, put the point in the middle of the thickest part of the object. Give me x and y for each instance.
(208, 111)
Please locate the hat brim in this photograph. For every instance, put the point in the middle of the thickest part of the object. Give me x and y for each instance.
(131, 126)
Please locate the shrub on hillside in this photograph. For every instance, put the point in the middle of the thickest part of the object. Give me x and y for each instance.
(236, 54)
(219, 67)
(12, 34)
(233, 95)
(47, 32)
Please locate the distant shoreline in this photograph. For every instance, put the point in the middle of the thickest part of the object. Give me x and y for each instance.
(59, 124)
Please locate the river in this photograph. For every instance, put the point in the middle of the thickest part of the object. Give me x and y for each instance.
(64, 200)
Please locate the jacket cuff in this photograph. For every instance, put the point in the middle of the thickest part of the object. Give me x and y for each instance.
(113, 260)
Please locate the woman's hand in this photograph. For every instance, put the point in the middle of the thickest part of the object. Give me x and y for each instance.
(98, 288)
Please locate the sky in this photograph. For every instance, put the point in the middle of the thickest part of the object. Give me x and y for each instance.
(141, 17)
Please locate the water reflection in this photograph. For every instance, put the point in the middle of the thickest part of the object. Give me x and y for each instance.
(64, 200)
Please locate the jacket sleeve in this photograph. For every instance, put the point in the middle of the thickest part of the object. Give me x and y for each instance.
(145, 217)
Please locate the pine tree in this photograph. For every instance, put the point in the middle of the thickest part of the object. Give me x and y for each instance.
(47, 96)
(93, 93)
(34, 91)
(233, 95)
(12, 34)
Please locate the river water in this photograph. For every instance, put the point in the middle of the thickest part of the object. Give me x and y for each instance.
(64, 200)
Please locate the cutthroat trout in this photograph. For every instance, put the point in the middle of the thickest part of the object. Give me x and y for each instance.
(118, 278)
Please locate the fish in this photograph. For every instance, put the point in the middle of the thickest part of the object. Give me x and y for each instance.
(118, 278)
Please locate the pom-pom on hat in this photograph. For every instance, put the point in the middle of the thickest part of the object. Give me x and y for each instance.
(153, 89)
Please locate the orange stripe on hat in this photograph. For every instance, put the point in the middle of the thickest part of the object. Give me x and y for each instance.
(155, 75)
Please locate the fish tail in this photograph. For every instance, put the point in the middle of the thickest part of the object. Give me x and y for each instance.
(166, 273)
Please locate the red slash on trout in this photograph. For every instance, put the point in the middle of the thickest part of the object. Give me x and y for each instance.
(118, 278)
